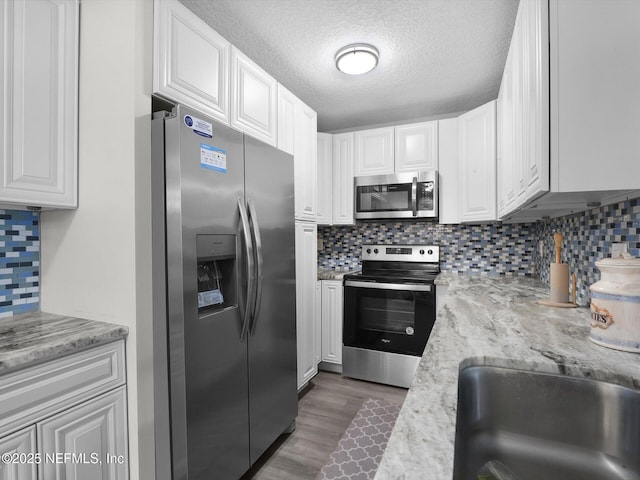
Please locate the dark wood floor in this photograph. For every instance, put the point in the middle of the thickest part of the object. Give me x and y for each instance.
(325, 409)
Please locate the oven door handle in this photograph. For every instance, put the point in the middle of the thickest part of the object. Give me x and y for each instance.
(414, 196)
(389, 286)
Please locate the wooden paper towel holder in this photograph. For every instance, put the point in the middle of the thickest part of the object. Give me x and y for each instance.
(557, 237)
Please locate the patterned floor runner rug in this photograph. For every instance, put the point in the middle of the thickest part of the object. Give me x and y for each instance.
(360, 449)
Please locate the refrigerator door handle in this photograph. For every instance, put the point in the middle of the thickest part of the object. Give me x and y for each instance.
(250, 268)
(253, 218)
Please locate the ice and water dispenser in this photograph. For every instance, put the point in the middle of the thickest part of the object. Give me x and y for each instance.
(217, 283)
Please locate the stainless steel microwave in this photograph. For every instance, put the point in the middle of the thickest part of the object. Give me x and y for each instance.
(401, 195)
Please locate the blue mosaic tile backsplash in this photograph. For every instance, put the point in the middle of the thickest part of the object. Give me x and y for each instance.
(497, 249)
(19, 262)
(494, 249)
(588, 237)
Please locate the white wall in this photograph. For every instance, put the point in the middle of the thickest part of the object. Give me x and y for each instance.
(96, 260)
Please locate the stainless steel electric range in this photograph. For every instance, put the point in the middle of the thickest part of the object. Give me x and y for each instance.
(389, 311)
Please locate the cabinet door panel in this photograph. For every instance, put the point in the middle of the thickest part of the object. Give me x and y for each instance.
(21, 442)
(306, 278)
(537, 166)
(416, 147)
(332, 313)
(286, 120)
(325, 179)
(254, 98)
(478, 164)
(39, 102)
(95, 431)
(448, 168)
(191, 61)
(595, 96)
(343, 165)
(374, 151)
(317, 346)
(306, 157)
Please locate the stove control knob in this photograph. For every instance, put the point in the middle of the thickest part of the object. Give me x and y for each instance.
(430, 252)
(375, 250)
(368, 250)
(421, 252)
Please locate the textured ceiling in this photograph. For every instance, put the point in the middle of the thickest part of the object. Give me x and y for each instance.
(436, 56)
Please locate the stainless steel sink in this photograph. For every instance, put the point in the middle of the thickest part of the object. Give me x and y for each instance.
(514, 424)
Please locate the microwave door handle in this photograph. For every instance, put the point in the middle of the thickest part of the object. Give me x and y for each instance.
(250, 268)
(255, 227)
(414, 196)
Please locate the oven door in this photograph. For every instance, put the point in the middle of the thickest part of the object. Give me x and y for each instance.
(388, 317)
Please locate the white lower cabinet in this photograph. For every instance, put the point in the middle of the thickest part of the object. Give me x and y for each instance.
(76, 408)
(332, 314)
(17, 446)
(94, 432)
(317, 323)
(306, 278)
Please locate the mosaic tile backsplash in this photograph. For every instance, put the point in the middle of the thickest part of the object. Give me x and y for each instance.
(588, 237)
(475, 249)
(19, 262)
(497, 249)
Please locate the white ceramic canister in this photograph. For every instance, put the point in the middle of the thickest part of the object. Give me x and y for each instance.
(615, 304)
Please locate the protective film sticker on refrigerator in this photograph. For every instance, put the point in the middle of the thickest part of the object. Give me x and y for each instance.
(213, 158)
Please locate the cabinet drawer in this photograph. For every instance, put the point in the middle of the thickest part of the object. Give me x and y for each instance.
(33, 393)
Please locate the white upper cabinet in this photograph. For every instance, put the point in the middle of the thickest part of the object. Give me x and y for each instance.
(374, 151)
(416, 147)
(191, 60)
(39, 103)
(595, 97)
(254, 95)
(297, 130)
(343, 167)
(477, 162)
(506, 181)
(572, 138)
(325, 179)
(305, 163)
(448, 203)
(286, 119)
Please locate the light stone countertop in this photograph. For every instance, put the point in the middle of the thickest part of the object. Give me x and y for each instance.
(37, 337)
(334, 273)
(485, 320)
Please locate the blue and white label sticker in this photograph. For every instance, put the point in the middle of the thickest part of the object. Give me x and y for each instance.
(202, 128)
(213, 158)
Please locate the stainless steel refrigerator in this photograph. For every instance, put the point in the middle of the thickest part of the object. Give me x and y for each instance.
(224, 297)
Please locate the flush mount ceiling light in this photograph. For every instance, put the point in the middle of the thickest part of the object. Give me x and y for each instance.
(357, 58)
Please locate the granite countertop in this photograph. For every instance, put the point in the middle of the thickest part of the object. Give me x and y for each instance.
(36, 337)
(490, 321)
(334, 273)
